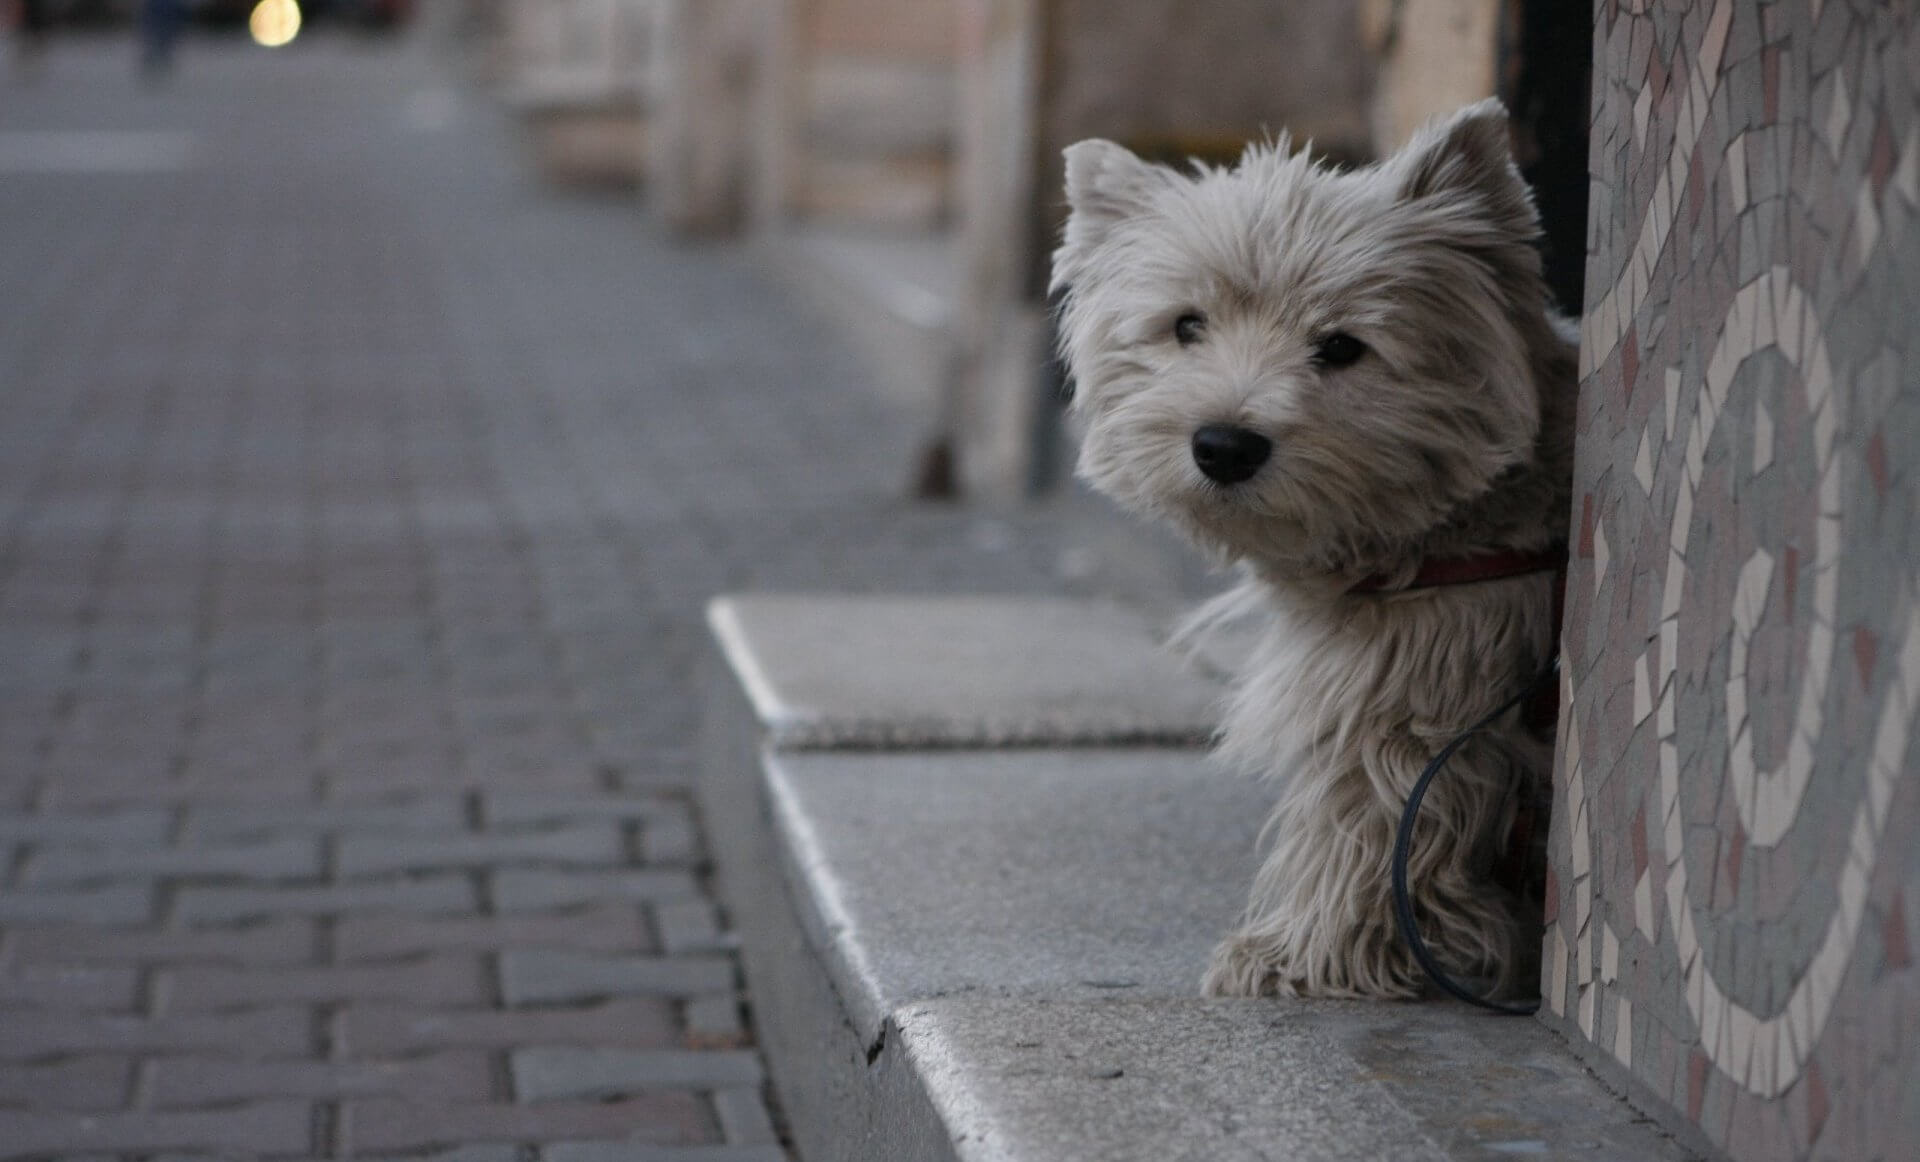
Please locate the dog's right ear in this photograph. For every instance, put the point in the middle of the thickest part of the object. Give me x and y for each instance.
(1106, 184)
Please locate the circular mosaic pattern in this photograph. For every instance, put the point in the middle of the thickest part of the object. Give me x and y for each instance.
(1737, 804)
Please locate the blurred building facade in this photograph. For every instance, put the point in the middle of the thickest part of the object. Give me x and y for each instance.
(900, 158)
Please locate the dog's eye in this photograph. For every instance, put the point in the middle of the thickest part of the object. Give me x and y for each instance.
(1190, 328)
(1338, 350)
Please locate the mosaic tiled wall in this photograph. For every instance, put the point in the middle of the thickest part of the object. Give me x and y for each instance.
(1736, 843)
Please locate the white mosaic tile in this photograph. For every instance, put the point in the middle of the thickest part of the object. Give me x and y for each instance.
(1623, 1032)
(1906, 175)
(1866, 223)
(1713, 1012)
(1740, 1039)
(1682, 526)
(1673, 589)
(1839, 113)
(1762, 438)
(1714, 42)
(1792, 326)
(1643, 464)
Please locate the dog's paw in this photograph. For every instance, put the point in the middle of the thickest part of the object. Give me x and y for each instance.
(1250, 966)
(1241, 969)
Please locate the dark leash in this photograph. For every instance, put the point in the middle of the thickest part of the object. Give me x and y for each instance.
(1403, 851)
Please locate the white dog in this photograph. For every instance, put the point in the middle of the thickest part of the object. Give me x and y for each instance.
(1351, 383)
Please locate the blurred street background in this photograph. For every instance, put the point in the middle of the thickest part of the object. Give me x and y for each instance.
(360, 489)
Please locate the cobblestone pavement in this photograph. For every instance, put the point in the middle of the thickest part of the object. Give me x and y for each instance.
(358, 496)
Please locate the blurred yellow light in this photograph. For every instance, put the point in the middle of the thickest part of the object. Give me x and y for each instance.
(274, 22)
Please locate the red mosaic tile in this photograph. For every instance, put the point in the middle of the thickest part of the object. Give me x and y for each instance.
(1877, 462)
(1880, 161)
(1866, 648)
(1818, 1105)
(1896, 953)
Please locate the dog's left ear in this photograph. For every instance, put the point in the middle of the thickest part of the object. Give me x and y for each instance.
(1468, 154)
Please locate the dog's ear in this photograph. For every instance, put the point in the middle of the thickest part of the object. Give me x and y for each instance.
(1468, 154)
(1106, 184)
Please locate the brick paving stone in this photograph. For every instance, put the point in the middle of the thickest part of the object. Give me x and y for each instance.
(270, 942)
(276, 859)
(436, 1078)
(260, 944)
(404, 574)
(519, 889)
(432, 895)
(273, 1127)
(118, 904)
(690, 926)
(714, 1022)
(546, 1073)
(254, 1033)
(631, 1022)
(598, 927)
(83, 1083)
(439, 979)
(102, 789)
(449, 776)
(552, 976)
(226, 821)
(109, 829)
(69, 986)
(389, 1124)
(589, 844)
(670, 837)
(743, 1115)
(511, 807)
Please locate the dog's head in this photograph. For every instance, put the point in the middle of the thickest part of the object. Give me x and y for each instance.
(1297, 365)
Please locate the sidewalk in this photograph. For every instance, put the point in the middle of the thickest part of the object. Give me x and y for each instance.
(358, 497)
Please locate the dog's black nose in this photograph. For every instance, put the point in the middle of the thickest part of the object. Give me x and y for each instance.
(1230, 454)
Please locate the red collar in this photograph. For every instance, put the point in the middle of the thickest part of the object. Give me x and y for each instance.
(1495, 567)
(1467, 570)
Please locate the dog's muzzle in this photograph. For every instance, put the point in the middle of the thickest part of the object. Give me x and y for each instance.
(1228, 454)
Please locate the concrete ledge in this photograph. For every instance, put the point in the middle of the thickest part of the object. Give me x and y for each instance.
(991, 954)
(1131, 1080)
(1070, 874)
(925, 672)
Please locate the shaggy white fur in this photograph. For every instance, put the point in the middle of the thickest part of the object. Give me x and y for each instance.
(1328, 376)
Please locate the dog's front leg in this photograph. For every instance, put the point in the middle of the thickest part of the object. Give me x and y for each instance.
(1319, 920)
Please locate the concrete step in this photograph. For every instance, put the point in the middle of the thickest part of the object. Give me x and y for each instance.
(962, 950)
